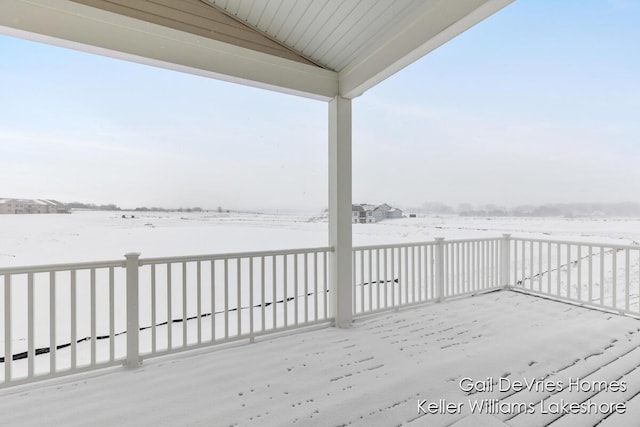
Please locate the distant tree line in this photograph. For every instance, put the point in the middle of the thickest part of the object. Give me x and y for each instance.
(93, 207)
(622, 209)
(112, 207)
(155, 209)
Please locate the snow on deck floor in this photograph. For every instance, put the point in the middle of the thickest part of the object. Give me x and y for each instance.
(374, 374)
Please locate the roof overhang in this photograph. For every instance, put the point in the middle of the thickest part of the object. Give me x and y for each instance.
(433, 25)
(77, 26)
(120, 35)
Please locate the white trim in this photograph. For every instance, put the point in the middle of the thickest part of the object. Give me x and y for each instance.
(80, 27)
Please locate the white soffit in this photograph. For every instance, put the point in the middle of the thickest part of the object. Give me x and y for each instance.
(81, 27)
(429, 27)
(365, 41)
(329, 32)
(330, 47)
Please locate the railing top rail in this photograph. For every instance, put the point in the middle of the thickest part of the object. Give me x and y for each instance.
(256, 254)
(46, 268)
(190, 258)
(475, 239)
(60, 267)
(577, 243)
(425, 243)
(392, 245)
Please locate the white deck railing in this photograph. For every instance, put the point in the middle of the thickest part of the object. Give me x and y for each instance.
(68, 318)
(63, 319)
(605, 276)
(392, 276)
(43, 335)
(230, 296)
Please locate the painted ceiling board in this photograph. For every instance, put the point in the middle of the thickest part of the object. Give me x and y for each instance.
(85, 28)
(348, 45)
(196, 17)
(322, 30)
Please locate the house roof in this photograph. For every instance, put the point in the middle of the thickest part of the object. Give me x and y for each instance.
(33, 201)
(383, 206)
(315, 48)
(368, 207)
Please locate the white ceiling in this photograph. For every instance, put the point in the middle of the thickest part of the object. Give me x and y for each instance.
(354, 44)
(328, 32)
(364, 41)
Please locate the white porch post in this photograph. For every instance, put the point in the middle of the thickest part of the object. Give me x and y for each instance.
(340, 210)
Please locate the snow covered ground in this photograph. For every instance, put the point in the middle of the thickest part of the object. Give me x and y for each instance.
(95, 236)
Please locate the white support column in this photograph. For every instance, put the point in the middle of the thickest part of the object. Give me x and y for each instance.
(340, 210)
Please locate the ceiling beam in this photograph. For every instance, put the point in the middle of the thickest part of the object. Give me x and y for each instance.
(68, 24)
(435, 24)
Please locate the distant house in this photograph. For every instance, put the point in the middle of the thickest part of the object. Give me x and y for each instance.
(356, 213)
(366, 213)
(380, 211)
(394, 213)
(6, 206)
(362, 214)
(55, 206)
(31, 206)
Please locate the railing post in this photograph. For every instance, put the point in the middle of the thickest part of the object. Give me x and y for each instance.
(505, 261)
(439, 269)
(8, 351)
(133, 319)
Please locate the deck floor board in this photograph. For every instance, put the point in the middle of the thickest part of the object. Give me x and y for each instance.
(373, 374)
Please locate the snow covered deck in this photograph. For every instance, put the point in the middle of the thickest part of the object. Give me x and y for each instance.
(376, 373)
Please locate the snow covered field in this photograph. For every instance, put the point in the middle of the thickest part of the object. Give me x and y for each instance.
(96, 236)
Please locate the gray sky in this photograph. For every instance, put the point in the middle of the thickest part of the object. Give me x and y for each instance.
(539, 103)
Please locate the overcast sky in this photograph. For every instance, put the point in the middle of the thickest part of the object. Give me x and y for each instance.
(539, 103)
